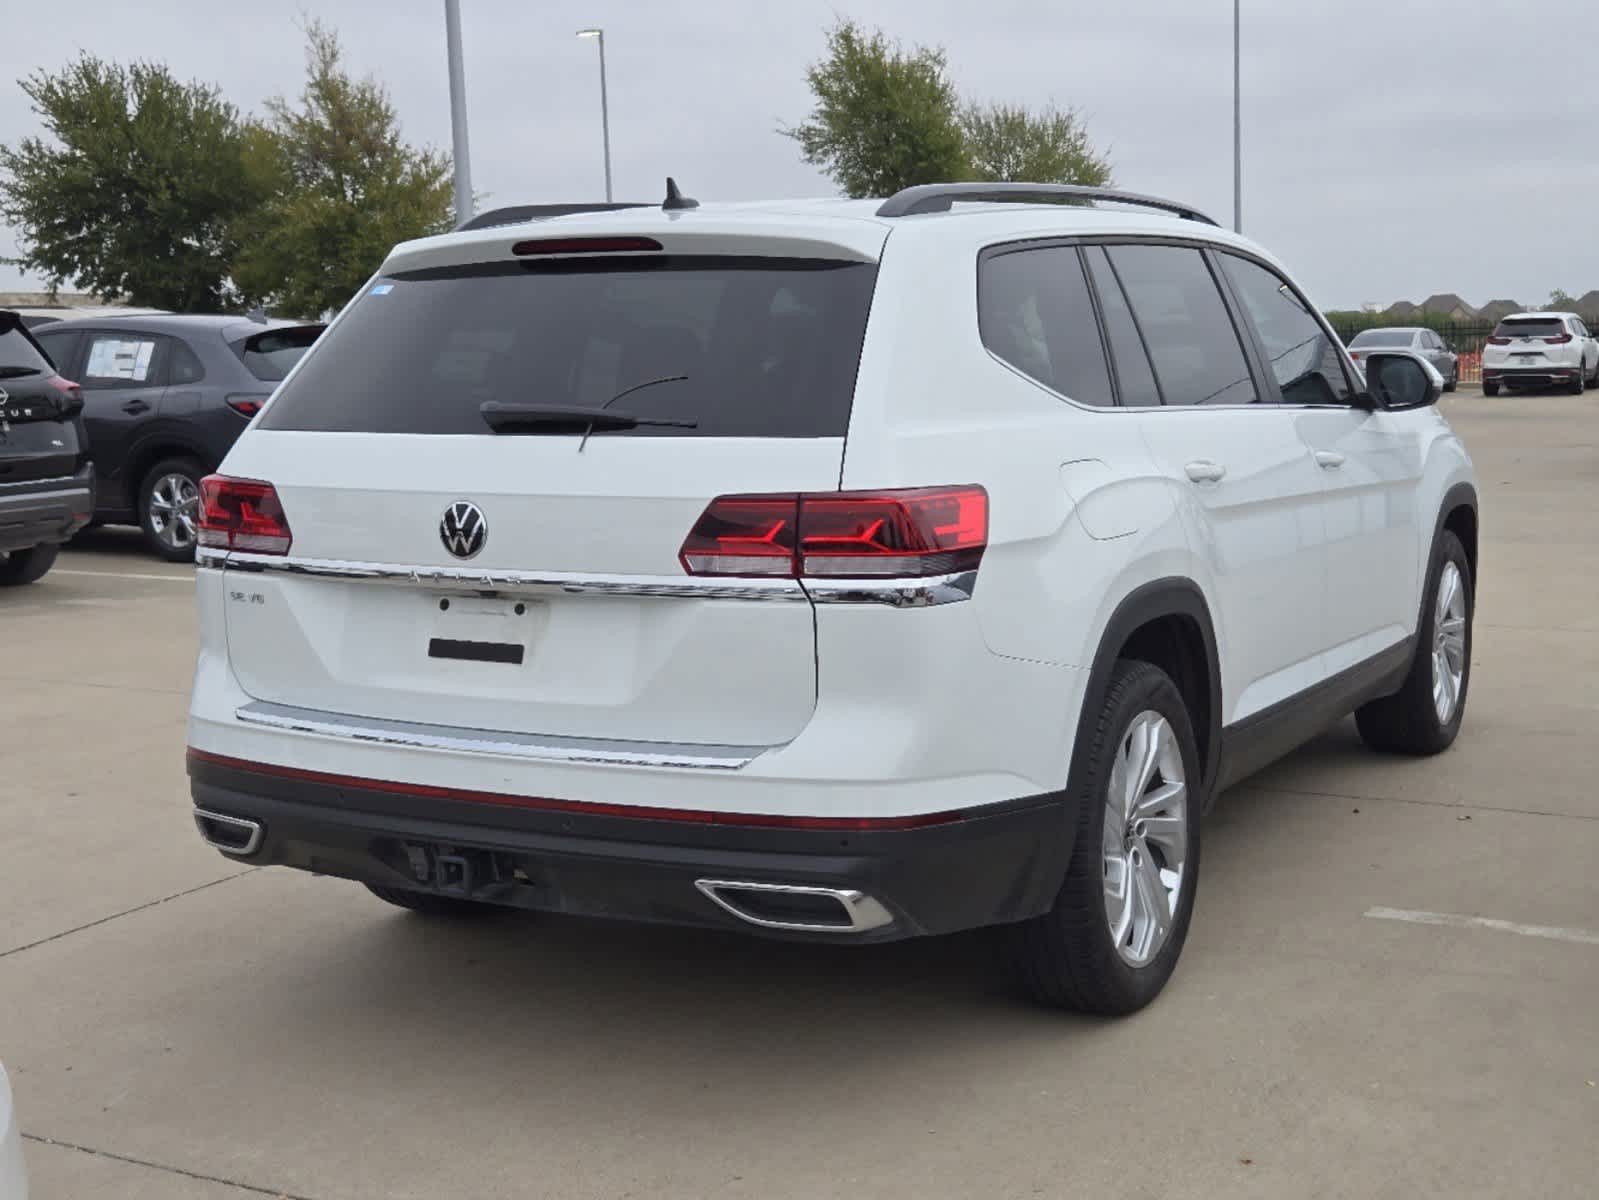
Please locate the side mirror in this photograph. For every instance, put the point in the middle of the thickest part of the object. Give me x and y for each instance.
(1400, 381)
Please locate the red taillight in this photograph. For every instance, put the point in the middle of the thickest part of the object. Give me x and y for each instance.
(589, 245)
(1559, 341)
(1499, 341)
(246, 406)
(242, 514)
(1357, 355)
(910, 533)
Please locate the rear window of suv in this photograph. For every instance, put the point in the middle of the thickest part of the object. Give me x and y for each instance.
(269, 355)
(769, 347)
(18, 355)
(1535, 327)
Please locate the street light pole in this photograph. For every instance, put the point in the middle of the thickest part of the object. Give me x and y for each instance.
(460, 153)
(1238, 137)
(605, 107)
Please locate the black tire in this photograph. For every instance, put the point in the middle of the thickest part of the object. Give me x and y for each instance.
(1580, 384)
(1407, 722)
(1067, 958)
(1490, 389)
(27, 566)
(188, 468)
(430, 903)
(1454, 380)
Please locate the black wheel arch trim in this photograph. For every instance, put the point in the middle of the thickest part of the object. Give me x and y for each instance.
(151, 449)
(1174, 596)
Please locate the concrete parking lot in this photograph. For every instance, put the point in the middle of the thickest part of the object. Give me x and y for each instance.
(178, 1027)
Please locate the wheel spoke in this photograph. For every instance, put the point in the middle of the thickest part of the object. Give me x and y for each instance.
(1163, 799)
(1448, 588)
(1120, 898)
(1170, 834)
(1144, 757)
(1150, 932)
(1453, 628)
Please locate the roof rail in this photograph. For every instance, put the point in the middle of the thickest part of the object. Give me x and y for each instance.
(938, 197)
(518, 213)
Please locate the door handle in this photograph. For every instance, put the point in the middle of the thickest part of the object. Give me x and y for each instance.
(135, 407)
(1329, 460)
(1205, 471)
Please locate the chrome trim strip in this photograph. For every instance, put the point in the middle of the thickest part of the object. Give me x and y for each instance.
(861, 912)
(544, 747)
(52, 480)
(22, 498)
(251, 844)
(896, 593)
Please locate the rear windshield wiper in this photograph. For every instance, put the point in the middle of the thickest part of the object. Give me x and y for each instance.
(565, 418)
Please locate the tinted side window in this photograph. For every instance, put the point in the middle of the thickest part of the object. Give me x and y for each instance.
(1192, 343)
(1134, 377)
(184, 366)
(60, 344)
(1304, 357)
(1034, 312)
(121, 360)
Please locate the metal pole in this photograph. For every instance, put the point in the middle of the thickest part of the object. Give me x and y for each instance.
(461, 155)
(605, 119)
(1238, 137)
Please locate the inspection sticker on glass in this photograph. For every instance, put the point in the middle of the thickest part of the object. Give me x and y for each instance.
(383, 289)
(115, 358)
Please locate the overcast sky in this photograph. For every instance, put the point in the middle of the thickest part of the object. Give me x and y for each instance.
(1392, 148)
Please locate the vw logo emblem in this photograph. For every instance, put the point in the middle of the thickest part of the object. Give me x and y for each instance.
(463, 529)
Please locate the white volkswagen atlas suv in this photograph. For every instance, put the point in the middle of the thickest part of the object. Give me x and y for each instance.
(847, 570)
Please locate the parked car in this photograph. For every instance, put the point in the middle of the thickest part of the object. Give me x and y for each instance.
(1540, 349)
(1423, 342)
(845, 570)
(164, 399)
(46, 482)
(13, 1174)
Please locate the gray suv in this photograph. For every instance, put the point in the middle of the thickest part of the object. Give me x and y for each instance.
(164, 398)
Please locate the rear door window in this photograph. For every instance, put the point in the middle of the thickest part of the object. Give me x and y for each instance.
(1303, 354)
(769, 347)
(122, 360)
(1134, 376)
(61, 345)
(1195, 350)
(1034, 311)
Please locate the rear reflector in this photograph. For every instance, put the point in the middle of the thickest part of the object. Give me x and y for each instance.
(242, 514)
(591, 245)
(693, 816)
(908, 533)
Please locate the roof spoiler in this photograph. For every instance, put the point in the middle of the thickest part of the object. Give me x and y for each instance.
(518, 213)
(939, 197)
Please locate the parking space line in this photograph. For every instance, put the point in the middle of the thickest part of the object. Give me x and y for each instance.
(170, 1170)
(1554, 933)
(125, 575)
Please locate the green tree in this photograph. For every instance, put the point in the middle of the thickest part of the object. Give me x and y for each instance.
(1005, 142)
(1560, 301)
(885, 118)
(345, 188)
(136, 191)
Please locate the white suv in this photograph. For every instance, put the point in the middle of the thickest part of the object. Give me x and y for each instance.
(1540, 349)
(833, 569)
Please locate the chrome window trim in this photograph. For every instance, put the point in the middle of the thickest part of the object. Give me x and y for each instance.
(544, 747)
(895, 593)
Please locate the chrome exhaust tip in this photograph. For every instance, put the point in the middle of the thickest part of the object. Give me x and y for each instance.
(796, 907)
(238, 836)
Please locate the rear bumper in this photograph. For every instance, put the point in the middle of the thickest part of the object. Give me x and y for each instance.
(49, 510)
(1540, 376)
(991, 865)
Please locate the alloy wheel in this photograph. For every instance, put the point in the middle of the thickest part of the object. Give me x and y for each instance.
(1448, 642)
(174, 511)
(1145, 838)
